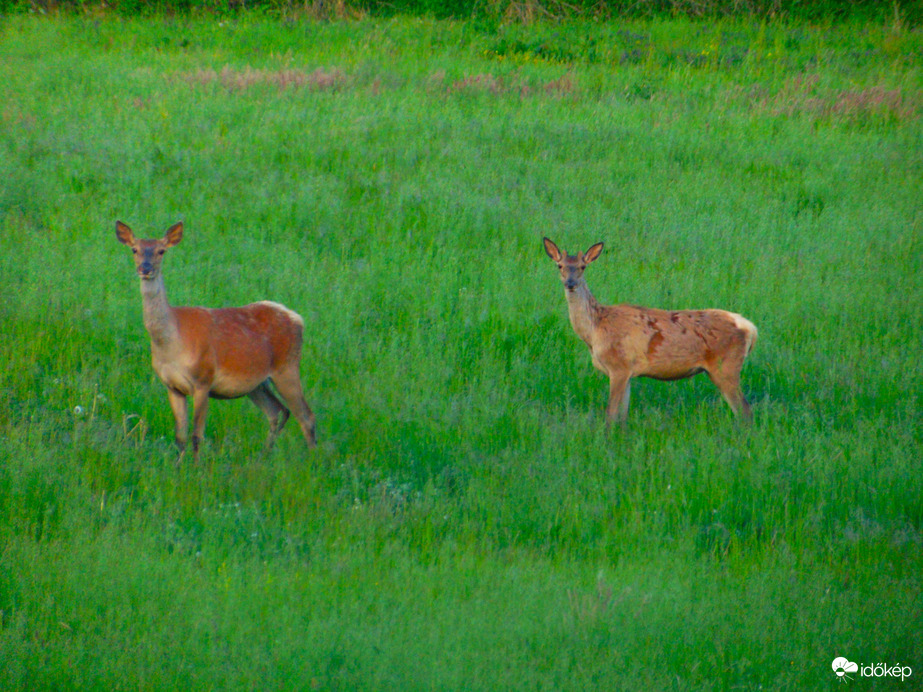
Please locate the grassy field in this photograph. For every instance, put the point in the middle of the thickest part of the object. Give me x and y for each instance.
(465, 523)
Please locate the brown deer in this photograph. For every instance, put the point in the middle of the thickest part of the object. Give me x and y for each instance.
(629, 341)
(221, 353)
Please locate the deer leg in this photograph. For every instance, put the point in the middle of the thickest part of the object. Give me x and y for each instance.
(619, 392)
(623, 406)
(288, 382)
(199, 410)
(270, 405)
(728, 383)
(180, 418)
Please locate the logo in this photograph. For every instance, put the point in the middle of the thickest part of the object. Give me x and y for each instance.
(843, 666)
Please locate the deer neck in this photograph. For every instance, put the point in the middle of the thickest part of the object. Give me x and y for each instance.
(583, 309)
(159, 319)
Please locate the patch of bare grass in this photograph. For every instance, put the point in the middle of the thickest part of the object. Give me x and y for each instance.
(235, 79)
(480, 83)
(565, 85)
(242, 79)
(803, 95)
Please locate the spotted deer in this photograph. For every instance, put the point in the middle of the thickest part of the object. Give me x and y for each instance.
(221, 353)
(628, 341)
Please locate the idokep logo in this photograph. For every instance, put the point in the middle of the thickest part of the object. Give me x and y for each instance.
(843, 666)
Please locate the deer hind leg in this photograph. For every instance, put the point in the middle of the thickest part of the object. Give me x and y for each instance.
(199, 411)
(270, 405)
(619, 394)
(288, 383)
(727, 379)
(180, 418)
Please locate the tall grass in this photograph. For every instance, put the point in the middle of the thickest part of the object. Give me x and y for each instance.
(466, 522)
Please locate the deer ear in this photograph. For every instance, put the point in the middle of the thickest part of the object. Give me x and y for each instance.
(552, 250)
(594, 252)
(124, 234)
(174, 234)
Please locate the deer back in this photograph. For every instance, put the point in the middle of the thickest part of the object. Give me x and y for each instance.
(233, 349)
(669, 344)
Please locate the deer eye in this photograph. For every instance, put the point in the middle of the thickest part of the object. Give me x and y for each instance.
(134, 251)
(160, 252)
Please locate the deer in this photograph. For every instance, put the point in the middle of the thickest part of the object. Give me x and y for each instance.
(219, 353)
(628, 341)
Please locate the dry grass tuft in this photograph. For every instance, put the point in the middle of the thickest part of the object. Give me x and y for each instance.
(804, 95)
(875, 101)
(234, 79)
(562, 86)
(479, 82)
(565, 85)
(240, 80)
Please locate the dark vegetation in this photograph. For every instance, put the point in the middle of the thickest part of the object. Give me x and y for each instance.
(906, 11)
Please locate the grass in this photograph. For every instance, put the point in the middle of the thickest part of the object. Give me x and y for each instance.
(465, 522)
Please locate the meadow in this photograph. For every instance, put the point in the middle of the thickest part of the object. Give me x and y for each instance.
(466, 522)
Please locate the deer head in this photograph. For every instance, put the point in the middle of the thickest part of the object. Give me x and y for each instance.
(148, 254)
(572, 267)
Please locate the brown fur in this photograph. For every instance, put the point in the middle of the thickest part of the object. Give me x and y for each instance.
(220, 353)
(628, 341)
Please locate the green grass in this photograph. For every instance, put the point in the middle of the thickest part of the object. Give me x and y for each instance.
(465, 523)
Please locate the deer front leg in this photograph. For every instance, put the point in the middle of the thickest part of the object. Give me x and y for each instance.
(199, 410)
(619, 391)
(180, 418)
